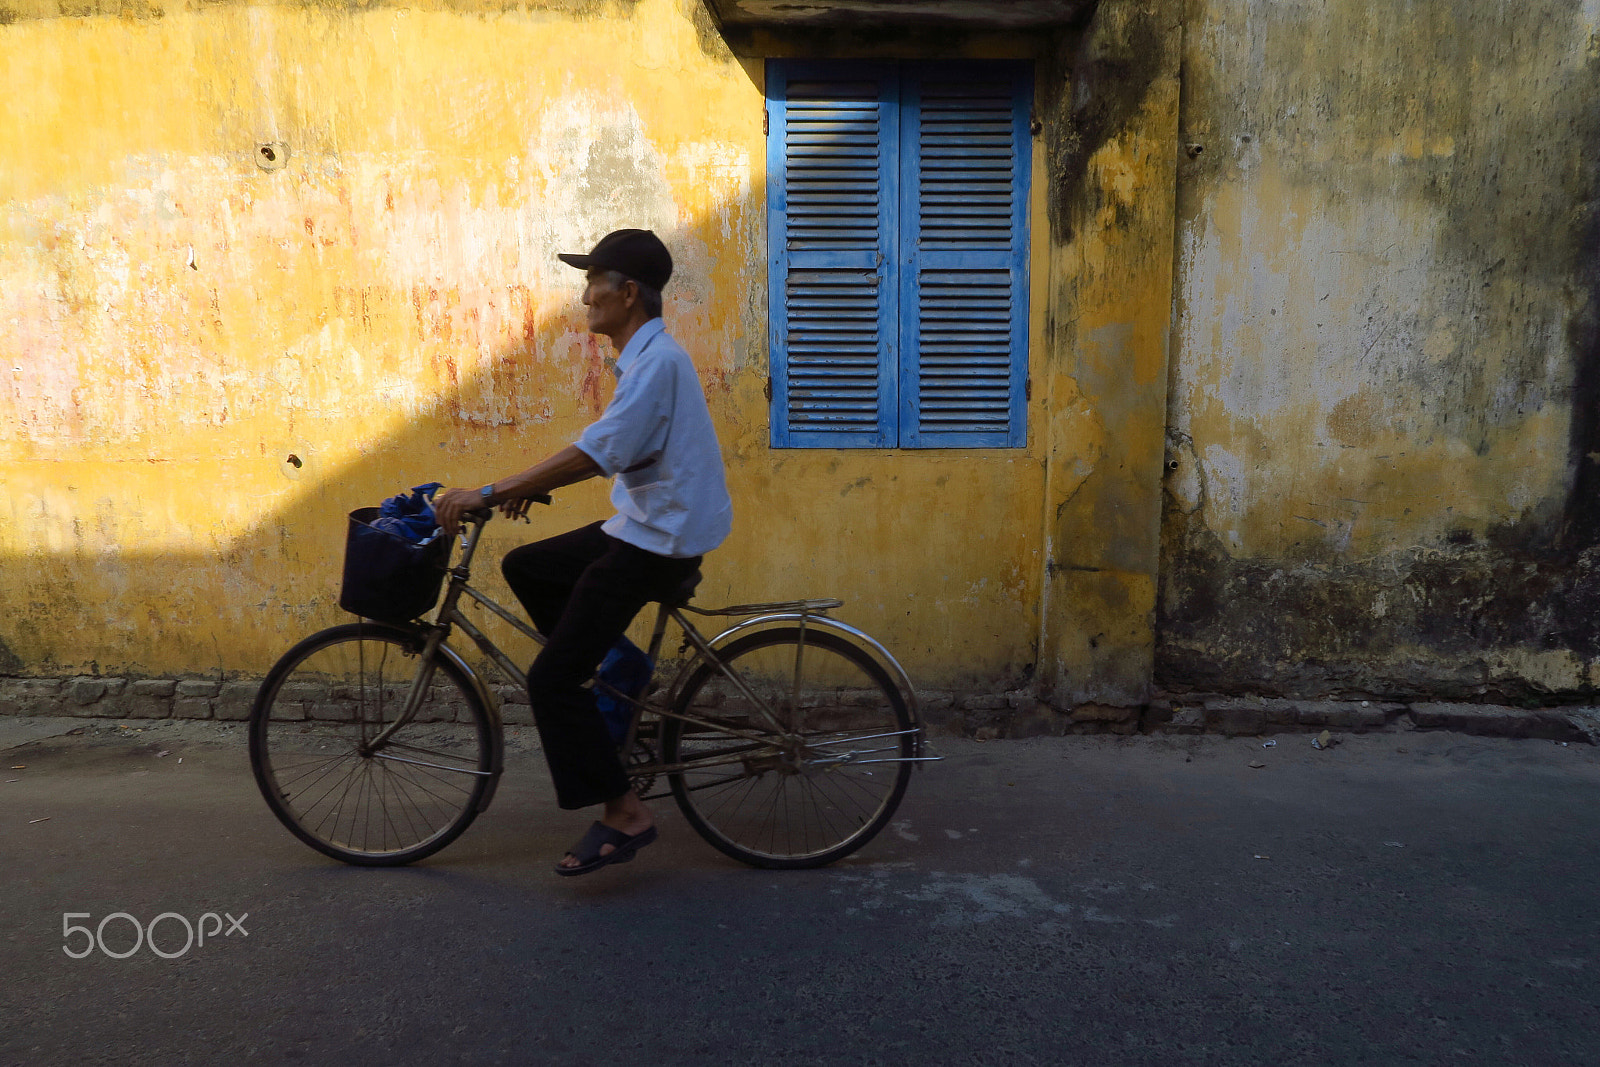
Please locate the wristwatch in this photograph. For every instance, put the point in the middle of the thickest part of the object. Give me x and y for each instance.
(486, 492)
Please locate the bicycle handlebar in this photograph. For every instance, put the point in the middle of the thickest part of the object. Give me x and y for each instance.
(485, 514)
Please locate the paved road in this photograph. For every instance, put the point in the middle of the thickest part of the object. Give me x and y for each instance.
(1400, 899)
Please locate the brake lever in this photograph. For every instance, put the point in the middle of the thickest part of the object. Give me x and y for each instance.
(536, 498)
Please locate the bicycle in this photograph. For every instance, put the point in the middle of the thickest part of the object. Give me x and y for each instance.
(787, 740)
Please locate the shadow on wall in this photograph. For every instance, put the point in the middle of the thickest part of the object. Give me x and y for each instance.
(233, 356)
(425, 336)
(280, 579)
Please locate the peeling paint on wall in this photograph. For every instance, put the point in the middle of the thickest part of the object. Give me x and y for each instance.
(1111, 124)
(1385, 324)
(208, 361)
(1370, 462)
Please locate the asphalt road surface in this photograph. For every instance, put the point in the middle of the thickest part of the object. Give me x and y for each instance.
(1420, 898)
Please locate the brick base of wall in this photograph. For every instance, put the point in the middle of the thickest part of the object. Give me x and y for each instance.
(1022, 714)
(984, 716)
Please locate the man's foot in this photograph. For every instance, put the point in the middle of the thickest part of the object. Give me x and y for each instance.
(601, 846)
(627, 823)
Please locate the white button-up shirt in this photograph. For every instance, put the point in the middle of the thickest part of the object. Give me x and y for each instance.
(656, 439)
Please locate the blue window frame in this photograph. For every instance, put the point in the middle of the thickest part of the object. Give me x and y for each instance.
(898, 250)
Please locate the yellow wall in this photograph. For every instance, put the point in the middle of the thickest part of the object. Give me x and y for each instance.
(1364, 237)
(1111, 288)
(387, 308)
(1386, 396)
(1365, 305)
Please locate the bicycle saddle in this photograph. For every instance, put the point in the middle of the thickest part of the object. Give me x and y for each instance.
(684, 592)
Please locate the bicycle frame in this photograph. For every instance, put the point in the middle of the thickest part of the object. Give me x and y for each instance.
(804, 614)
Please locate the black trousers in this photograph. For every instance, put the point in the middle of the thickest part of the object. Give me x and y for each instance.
(582, 589)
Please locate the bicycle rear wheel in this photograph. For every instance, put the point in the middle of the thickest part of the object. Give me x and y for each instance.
(312, 732)
(809, 793)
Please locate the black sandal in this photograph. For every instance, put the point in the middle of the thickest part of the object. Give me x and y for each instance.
(587, 851)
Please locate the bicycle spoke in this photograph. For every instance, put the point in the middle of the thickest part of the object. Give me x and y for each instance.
(427, 823)
(411, 827)
(823, 813)
(317, 714)
(847, 782)
(418, 781)
(750, 785)
(353, 792)
(800, 802)
(349, 782)
(327, 767)
(434, 752)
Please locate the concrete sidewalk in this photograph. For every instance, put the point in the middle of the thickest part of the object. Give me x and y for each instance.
(1400, 898)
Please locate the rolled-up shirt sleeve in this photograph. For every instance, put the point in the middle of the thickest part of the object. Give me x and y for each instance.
(633, 429)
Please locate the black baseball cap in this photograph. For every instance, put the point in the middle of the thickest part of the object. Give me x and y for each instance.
(637, 253)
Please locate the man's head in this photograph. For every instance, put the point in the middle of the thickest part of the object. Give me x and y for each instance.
(626, 271)
(617, 304)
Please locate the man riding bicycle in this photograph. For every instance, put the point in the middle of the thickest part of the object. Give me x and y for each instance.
(583, 588)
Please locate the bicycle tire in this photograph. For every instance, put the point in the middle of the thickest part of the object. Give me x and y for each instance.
(765, 800)
(309, 725)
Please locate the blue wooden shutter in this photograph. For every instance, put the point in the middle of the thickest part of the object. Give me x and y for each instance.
(963, 249)
(831, 238)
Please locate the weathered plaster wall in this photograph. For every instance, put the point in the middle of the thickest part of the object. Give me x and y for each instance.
(209, 361)
(1110, 128)
(1106, 101)
(1383, 452)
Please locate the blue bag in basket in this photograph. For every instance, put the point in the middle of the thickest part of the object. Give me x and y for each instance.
(394, 560)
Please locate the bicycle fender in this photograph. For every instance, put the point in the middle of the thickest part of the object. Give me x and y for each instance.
(897, 673)
(497, 733)
(497, 738)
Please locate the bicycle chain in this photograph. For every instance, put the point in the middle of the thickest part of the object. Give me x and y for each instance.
(641, 756)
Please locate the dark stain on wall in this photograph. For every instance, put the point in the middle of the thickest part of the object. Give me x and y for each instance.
(1442, 623)
(10, 664)
(1483, 82)
(708, 32)
(1580, 528)
(1518, 194)
(1093, 87)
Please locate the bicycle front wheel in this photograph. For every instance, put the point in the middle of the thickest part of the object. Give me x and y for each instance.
(336, 779)
(813, 787)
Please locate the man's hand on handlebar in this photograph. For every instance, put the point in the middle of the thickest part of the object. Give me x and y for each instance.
(449, 505)
(569, 465)
(518, 509)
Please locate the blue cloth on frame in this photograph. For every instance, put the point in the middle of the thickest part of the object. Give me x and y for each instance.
(626, 669)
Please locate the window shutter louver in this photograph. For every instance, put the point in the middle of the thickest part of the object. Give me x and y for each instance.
(833, 275)
(897, 229)
(965, 152)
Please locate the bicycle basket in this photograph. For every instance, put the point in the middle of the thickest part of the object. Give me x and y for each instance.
(387, 577)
